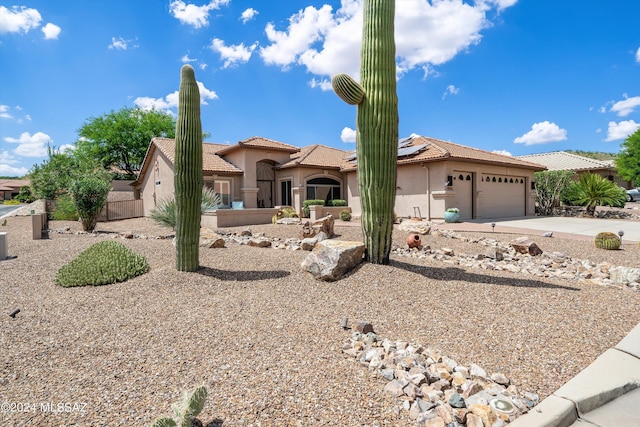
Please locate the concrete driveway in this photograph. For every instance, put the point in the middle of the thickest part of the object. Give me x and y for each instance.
(580, 226)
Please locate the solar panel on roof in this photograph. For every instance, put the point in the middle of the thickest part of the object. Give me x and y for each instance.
(407, 151)
(350, 157)
(404, 142)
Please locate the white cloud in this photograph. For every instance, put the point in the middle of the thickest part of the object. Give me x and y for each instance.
(625, 107)
(66, 148)
(4, 112)
(234, 54)
(426, 34)
(7, 170)
(323, 84)
(51, 31)
(18, 19)
(31, 145)
(248, 15)
(638, 55)
(503, 152)
(170, 101)
(451, 90)
(122, 44)
(185, 59)
(541, 133)
(190, 14)
(348, 135)
(621, 130)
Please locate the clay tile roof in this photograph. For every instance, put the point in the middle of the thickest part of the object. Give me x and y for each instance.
(12, 184)
(316, 156)
(437, 150)
(262, 144)
(561, 160)
(211, 161)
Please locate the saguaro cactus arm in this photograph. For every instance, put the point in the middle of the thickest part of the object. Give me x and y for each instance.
(347, 88)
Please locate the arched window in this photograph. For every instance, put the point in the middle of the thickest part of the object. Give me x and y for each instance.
(323, 189)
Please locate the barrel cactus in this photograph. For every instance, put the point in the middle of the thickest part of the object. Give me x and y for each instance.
(188, 172)
(607, 240)
(376, 126)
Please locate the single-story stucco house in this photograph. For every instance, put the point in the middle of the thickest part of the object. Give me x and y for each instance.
(433, 175)
(563, 161)
(9, 188)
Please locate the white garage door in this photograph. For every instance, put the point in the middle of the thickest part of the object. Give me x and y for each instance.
(503, 196)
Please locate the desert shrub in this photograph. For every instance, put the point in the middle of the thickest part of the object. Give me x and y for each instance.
(101, 264)
(307, 203)
(11, 202)
(184, 413)
(89, 197)
(65, 210)
(337, 202)
(345, 215)
(593, 190)
(165, 212)
(25, 195)
(607, 240)
(285, 212)
(550, 189)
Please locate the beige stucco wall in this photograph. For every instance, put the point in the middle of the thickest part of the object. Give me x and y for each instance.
(422, 186)
(160, 169)
(299, 178)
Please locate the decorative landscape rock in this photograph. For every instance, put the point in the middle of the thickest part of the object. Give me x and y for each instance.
(434, 389)
(415, 226)
(525, 245)
(210, 239)
(624, 274)
(324, 225)
(331, 259)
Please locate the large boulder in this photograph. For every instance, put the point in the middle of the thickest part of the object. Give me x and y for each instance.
(525, 245)
(331, 259)
(624, 274)
(210, 239)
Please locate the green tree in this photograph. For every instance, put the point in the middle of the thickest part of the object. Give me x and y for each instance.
(593, 190)
(628, 161)
(89, 197)
(120, 138)
(54, 175)
(377, 126)
(550, 189)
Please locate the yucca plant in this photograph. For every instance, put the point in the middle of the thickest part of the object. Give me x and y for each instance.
(593, 190)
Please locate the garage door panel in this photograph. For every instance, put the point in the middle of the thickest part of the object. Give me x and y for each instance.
(503, 196)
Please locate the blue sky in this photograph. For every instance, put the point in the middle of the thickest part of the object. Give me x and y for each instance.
(513, 76)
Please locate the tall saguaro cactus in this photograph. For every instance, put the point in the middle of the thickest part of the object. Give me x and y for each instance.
(188, 172)
(376, 126)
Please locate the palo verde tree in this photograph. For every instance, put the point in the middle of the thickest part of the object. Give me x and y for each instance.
(188, 172)
(628, 161)
(120, 138)
(376, 126)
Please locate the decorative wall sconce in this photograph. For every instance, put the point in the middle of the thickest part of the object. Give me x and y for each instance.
(449, 182)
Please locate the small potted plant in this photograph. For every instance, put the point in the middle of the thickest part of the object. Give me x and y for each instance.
(452, 215)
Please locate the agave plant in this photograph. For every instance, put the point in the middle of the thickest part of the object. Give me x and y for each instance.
(593, 190)
(165, 212)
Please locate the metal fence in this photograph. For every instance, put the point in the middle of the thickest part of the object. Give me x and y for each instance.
(123, 209)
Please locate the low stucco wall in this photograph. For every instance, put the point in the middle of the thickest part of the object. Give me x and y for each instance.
(235, 217)
(318, 211)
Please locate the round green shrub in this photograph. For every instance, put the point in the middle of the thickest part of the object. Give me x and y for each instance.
(607, 240)
(103, 263)
(64, 209)
(345, 215)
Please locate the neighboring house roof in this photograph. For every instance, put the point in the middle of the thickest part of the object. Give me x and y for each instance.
(561, 160)
(261, 143)
(316, 156)
(13, 184)
(421, 149)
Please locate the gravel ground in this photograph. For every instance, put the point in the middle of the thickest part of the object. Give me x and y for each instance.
(265, 337)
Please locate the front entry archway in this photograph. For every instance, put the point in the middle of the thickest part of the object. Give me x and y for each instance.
(265, 179)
